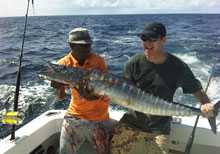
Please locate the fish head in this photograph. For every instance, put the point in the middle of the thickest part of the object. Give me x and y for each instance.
(63, 74)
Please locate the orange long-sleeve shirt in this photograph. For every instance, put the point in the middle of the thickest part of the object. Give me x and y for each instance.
(91, 110)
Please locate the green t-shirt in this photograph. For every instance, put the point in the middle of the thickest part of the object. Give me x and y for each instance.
(161, 80)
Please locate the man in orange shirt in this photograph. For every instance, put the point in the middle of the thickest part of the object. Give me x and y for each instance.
(85, 118)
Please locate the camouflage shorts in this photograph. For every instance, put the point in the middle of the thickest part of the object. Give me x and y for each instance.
(125, 140)
(75, 131)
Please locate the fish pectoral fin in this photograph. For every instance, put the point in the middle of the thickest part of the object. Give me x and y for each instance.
(122, 79)
(89, 97)
(87, 94)
(87, 75)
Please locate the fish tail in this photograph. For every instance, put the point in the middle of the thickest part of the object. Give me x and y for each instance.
(212, 120)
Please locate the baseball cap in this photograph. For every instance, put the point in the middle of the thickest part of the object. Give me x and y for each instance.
(79, 36)
(154, 30)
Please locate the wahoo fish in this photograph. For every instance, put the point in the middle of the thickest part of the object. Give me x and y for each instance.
(118, 90)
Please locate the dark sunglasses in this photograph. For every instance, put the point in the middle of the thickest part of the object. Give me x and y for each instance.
(151, 39)
(84, 45)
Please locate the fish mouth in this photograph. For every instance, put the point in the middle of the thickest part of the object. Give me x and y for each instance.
(50, 72)
(53, 73)
(52, 76)
(64, 74)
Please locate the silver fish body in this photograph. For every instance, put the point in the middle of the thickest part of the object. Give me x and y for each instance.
(129, 96)
(118, 91)
(121, 92)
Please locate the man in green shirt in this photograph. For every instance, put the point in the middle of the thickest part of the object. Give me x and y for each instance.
(159, 73)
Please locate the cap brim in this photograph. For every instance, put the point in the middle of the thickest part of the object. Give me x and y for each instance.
(149, 34)
(81, 42)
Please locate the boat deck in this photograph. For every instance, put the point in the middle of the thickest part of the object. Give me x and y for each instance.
(42, 134)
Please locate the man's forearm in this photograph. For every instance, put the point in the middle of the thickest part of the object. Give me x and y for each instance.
(201, 97)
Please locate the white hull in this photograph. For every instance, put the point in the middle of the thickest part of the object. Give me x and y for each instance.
(44, 131)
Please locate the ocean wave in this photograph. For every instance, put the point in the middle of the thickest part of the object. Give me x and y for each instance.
(115, 39)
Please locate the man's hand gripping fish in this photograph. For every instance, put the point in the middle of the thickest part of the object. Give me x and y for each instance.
(119, 91)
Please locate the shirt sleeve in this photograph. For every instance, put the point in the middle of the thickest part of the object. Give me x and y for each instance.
(188, 82)
(127, 72)
(62, 61)
(103, 66)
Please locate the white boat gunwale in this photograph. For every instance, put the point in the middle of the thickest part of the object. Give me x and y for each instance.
(43, 133)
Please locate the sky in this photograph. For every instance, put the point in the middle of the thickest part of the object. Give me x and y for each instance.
(94, 7)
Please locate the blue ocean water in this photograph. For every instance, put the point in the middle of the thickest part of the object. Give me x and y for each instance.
(195, 38)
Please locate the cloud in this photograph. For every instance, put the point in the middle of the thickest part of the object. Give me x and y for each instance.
(138, 6)
(148, 4)
(75, 7)
(10, 8)
(96, 3)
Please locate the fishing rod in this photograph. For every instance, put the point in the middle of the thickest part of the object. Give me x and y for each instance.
(19, 74)
(192, 135)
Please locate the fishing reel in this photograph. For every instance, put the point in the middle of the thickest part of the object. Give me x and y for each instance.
(12, 117)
